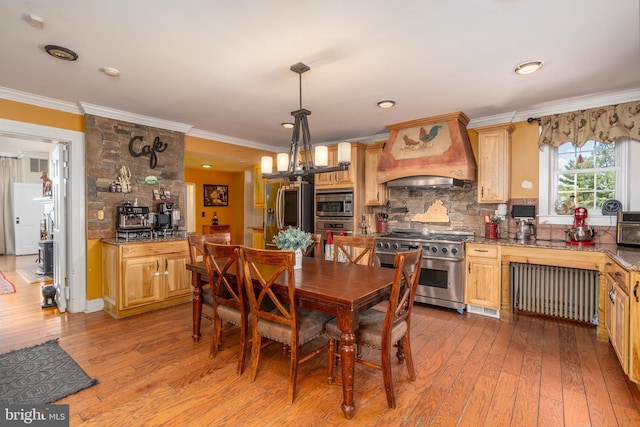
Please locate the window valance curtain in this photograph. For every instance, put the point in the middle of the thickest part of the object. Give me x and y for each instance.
(604, 124)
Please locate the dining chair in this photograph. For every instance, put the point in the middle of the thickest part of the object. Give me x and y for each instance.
(285, 323)
(227, 287)
(355, 250)
(196, 254)
(316, 247)
(386, 329)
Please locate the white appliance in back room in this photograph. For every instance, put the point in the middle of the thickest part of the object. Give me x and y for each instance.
(287, 204)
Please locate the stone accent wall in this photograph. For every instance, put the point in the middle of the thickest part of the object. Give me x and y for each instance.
(107, 150)
(465, 213)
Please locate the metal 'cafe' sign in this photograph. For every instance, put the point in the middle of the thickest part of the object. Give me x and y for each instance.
(147, 150)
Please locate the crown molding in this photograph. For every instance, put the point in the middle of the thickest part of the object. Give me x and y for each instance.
(197, 133)
(39, 101)
(110, 113)
(555, 107)
(577, 103)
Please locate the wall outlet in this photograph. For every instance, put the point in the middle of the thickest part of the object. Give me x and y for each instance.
(202, 214)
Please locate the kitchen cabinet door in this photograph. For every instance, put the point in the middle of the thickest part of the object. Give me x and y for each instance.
(374, 194)
(494, 163)
(634, 329)
(482, 285)
(176, 281)
(258, 188)
(257, 239)
(141, 279)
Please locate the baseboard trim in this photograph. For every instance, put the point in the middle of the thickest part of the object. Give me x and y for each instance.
(93, 305)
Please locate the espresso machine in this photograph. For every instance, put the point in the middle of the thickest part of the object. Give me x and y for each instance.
(132, 218)
(524, 215)
(580, 234)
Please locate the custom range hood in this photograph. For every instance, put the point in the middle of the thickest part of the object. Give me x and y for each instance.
(428, 153)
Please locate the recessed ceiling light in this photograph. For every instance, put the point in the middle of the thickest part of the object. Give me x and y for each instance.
(387, 103)
(528, 67)
(206, 165)
(287, 125)
(61, 52)
(110, 71)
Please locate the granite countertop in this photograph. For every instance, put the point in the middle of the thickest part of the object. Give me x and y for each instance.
(626, 256)
(114, 241)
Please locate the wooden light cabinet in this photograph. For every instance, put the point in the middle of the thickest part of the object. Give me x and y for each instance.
(257, 238)
(140, 277)
(374, 194)
(482, 284)
(494, 163)
(258, 188)
(341, 179)
(617, 310)
(212, 229)
(634, 328)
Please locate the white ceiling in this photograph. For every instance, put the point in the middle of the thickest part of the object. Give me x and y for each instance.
(222, 67)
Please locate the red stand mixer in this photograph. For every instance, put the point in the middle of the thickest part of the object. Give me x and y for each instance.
(580, 234)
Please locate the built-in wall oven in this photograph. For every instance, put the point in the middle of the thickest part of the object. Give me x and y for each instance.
(441, 279)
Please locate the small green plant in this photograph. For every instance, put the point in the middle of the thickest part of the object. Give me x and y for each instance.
(292, 239)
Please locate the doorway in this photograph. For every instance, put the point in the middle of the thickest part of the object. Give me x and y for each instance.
(73, 258)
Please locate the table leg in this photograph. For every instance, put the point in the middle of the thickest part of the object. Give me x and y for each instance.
(346, 320)
(197, 304)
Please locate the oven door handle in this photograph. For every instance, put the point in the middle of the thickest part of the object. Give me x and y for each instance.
(442, 259)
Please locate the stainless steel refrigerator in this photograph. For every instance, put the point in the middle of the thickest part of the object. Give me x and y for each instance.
(287, 204)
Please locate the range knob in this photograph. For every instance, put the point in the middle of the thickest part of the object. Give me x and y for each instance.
(454, 251)
(444, 250)
(396, 246)
(434, 249)
(387, 245)
(379, 245)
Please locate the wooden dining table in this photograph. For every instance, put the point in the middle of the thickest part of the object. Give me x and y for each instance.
(339, 289)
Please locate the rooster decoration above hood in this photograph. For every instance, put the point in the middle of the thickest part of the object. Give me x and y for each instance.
(435, 146)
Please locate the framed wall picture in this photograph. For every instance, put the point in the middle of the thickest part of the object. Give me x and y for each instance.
(216, 195)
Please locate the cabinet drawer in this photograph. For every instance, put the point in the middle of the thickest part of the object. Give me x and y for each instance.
(482, 251)
(618, 273)
(155, 248)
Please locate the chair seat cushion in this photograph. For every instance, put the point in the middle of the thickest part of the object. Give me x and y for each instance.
(230, 314)
(369, 331)
(311, 325)
(207, 297)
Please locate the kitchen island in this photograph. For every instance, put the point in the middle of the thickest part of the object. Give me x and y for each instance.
(144, 275)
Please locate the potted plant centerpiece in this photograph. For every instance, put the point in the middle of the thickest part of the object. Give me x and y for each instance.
(293, 239)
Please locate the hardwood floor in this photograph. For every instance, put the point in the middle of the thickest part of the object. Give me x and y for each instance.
(472, 371)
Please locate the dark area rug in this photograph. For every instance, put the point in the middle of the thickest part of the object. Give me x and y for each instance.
(40, 374)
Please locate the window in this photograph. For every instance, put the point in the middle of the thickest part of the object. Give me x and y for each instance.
(38, 165)
(590, 174)
(587, 174)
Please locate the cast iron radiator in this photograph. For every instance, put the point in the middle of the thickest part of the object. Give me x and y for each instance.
(564, 292)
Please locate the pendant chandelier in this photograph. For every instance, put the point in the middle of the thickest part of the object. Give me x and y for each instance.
(299, 161)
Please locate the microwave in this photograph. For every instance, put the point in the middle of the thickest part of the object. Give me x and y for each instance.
(628, 231)
(334, 204)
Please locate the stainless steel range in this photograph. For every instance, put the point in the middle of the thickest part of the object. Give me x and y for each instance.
(442, 277)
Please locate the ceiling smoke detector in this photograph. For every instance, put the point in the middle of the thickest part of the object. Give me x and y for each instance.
(60, 52)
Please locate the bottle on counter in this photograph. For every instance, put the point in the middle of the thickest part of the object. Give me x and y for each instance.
(214, 221)
(328, 247)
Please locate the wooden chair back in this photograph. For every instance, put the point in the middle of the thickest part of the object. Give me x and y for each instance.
(227, 289)
(259, 285)
(196, 244)
(403, 292)
(356, 250)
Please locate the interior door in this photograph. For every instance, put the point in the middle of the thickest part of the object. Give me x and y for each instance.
(28, 214)
(59, 175)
